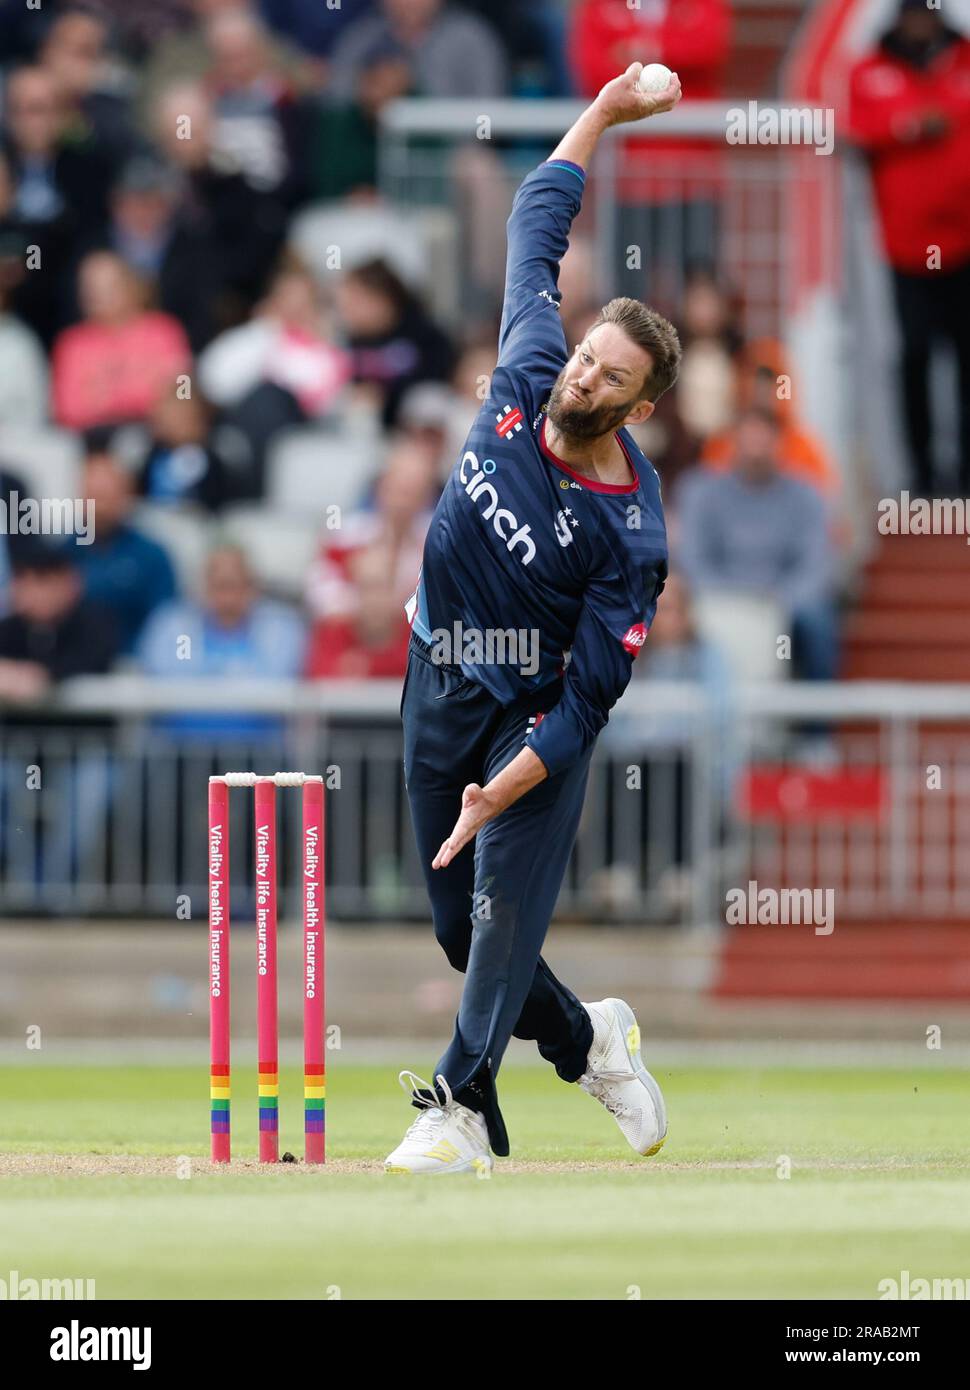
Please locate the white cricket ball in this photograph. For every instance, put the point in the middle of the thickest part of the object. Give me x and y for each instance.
(654, 78)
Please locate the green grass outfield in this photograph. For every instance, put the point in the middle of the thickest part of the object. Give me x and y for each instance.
(880, 1183)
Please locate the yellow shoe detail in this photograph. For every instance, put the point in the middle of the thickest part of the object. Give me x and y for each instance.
(481, 1168)
(444, 1151)
(633, 1038)
(391, 1168)
(656, 1148)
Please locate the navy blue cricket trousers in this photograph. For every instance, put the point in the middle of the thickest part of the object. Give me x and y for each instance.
(492, 905)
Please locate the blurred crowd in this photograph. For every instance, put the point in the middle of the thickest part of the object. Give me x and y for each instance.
(156, 159)
(909, 111)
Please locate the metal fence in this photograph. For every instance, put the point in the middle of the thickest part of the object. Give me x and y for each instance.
(770, 219)
(103, 800)
(675, 190)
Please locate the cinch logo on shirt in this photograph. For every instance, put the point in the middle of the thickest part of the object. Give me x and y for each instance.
(634, 638)
(504, 523)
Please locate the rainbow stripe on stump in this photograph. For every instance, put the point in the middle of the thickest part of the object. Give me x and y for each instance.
(219, 1099)
(269, 1098)
(315, 1112)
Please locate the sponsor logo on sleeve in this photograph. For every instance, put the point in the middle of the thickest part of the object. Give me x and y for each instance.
(634, 638)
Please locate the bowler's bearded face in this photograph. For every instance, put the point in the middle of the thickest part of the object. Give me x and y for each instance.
(600, 385)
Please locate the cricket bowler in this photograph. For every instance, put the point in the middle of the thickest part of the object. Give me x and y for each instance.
(539, 581)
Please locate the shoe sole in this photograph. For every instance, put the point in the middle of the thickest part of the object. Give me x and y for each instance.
(470, 1165)
(630, 1030)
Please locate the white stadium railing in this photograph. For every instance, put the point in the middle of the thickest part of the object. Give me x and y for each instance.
(686, 797)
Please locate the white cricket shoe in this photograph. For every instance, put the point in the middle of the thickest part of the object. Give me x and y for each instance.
(447, 1138)
(616, 1077)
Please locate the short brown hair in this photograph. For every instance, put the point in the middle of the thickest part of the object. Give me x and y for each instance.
(650, 331)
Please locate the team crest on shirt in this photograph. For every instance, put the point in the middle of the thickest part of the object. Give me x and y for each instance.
(566, 524)
(509, 422)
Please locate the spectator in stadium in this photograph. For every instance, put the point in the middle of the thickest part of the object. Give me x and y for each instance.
(439, 416)
(910, 114)
(181, 55)
(313, 26)
(246, 225)
(425, 419)
(53, 631)
(59, 193)
(392, 339)
(764, 382)
(123, 570)
(663, 744)
(666, 441)
(373, 644)
(707, 386)
(282, 368)
(232, 631)
(343, 158)
(138, 26)
(112, 366)
(181, 464)
(163, 240)
(18, 31)
(668, 192)
(359, 585)
(447, 52)
(261, 123)
(756, 530)
(535, 40)
(92, 89)
(23, 363)
(12, 489)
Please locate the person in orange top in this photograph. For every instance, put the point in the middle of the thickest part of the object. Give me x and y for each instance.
(800, 454)
(113, 366)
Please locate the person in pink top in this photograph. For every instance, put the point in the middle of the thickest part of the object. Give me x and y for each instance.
(113, 366)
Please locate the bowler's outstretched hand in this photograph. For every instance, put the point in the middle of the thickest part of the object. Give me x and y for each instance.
(622, 100)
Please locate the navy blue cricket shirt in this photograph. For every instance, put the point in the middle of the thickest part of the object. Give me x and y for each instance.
(518, 540)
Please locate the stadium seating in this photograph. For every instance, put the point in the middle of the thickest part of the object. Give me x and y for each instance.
(184, 532)
(746, 627)
(280, 545)
(48, 461)
(309, 470)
